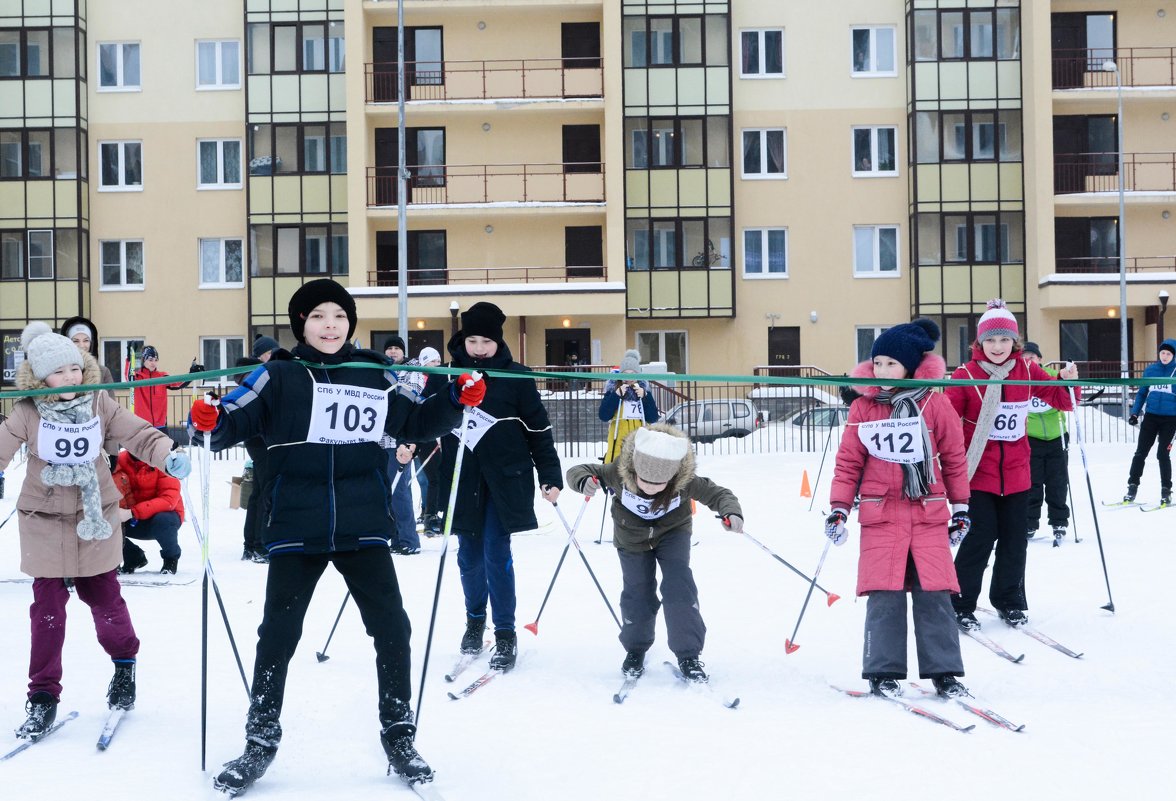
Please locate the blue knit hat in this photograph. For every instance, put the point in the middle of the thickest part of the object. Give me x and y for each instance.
(907, 343)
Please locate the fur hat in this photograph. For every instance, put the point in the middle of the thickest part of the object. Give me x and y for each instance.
(428, 355)
(631, 362)
(263, 345)
(149, 352)
(1032, 347)
(394, 341)
(998, 321)
(657, 456)
(907, 343)
(483, 320)
(46, 351)
(311, 294)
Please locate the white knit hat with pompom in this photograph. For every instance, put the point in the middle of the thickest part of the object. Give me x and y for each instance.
(47, 351)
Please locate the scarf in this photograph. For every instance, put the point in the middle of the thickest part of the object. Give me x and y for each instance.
(988, 410)
(83, 476)
(904, 404)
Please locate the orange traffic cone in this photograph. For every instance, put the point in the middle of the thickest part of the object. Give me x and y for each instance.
(805, 490)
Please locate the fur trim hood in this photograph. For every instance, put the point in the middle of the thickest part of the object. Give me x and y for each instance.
(932, 368)
(91, 374)
(625, 463)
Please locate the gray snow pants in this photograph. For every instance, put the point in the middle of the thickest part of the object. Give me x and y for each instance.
(937, 636)
(685, 630)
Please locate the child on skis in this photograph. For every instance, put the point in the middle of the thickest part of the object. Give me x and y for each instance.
(327, 502)
(903, 452)
(653, 483)
(1159, 423)
(626, 406)
(70, 521)
(998, 463)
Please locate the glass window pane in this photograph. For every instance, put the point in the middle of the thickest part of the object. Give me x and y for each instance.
(314, 148)
(67, 252)
(928, 233)
(863, 250)
(662, 143)
(211, 353)
(884, 49)
(777, 251)
(234, 253)
(690, 148)
(261, 242)
(983, 135)
(775, 153)
(285, 48)
(111, 263)
(206, 63)
(230, 63)
(690, 40)
(339, 255)
(64, 53)
(661, 41)
(132, 163)
(955, 237)
(40, 254)
(314, 56)
(749, 43)
(336, 47)
(1009, 135)
(718, 147)
(339, 148)
(636, 135)
(210, 250)
(695, 246)
(926, 36)
(674, 351)
(954, 136)
(258, 49)
(633, 31)
(1008, 33)
(9, 54)
(863, 157)
(208, 163)
(261, 160)
(232, 161)
(134, 251)
(980, 31)
(11, 155)
(12, 262)
(753, 251)
(37, 54)
(287, 261)
(315, 250)
(637, 244)
(717, 40)
(130, 57)
(285, 149)
(888, 250)
(861, 50)
(926, 137)
(108, 155)
(107, 65)
(886, 149)
(38, 154)
(665, 245)
(774, 52)
(718, 234)
(951, 34)
(751, 152)
(65, 152)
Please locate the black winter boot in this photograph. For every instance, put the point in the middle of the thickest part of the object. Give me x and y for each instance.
(889, 688)
(1130, 496)
(42, 710)
(634, 665)
(240, 774)
(170, 566)
(471, 641)
(133, 558)
(403, 758)
(692, 670)
(121, 692)
(1165, 496)
(949, 687)
(506, 650)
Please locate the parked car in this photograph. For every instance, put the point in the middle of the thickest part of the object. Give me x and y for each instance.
(708, 420)
(820, 417)
(778, 402)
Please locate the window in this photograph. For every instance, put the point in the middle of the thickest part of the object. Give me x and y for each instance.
(967, 136)
(122, 264)
(427, 258)
(218, 64)
(761, 53)
(276, 149)
(294, 250)
(676, 142)
(12, 254)
(26, 154)
(218, 163)
(866, 336)
(24, 53)
(40, 254)
(978, 34)
(873, 52)
(290, 47)
(581, 148)
(584, 251)
(674, 41)
(765, 153)
(874, 151)
(221, 263)
(121, 166)
(116, 355)
(875, 251)
(221, 353)
(580, 45)
(765, 253)
(118, 67)
(668, 244)
(664, 346)
(973, 238)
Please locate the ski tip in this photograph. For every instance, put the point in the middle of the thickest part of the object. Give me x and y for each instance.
(618, 698)
(452, 697)
(321, 656)
(1017, 659)
(833, 598)
(732, 704)
(533, 628)
(790, 647)
(967, 729)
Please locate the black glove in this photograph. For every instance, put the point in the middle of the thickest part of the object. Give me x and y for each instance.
(1133, 420)
(196, 367)
(957, 529)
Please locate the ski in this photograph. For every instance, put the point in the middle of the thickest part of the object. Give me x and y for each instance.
(130, 581)
(627, 687)
(704, 688)
(464, 662)
(909, 707)
(992, 645)
(426, 790)
(1122, 504)
(1155, 508)
(477, 684)
(1030, 631)
(112, 720)
(34, 740)
(987, 714)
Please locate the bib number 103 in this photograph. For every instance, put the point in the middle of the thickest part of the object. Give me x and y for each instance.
(354, 418)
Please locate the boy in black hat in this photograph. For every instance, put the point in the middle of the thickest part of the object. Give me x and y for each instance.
(1049, 443)
(328, 495)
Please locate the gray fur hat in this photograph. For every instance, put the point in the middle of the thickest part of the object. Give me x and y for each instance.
(631, 362)
(47, 351)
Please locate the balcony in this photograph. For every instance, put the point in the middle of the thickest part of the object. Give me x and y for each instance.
(1076, 173)
(1095, 265)
(450, 276)
(1141, 67)
(531, 79)
(503, 185)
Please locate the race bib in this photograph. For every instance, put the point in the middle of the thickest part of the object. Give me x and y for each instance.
(632, 410)
(898, 441)
(1162, 388)
(1038, 406)
(477, 423)
(641, 506)
(343, 414)
(70, 443)
(1009, 425)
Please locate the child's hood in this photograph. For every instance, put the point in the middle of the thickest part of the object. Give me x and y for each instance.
(624, 462)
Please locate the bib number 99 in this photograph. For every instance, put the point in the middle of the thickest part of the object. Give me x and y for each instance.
(75, 448)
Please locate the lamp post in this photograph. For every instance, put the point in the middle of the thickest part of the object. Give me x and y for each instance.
(1111, 66)
(401, 183)
(453, 310)
(1163, 308)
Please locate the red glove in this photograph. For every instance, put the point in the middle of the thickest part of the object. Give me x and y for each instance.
(473, 389)
(203, 415)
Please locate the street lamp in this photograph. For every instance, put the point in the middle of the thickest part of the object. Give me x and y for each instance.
(1110, 66)
(1163, 309)
(453, 310)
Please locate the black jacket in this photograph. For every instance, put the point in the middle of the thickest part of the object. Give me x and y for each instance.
(505, 459)
(323, 498)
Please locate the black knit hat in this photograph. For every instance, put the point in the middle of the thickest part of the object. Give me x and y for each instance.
(483, 320)
(1032, 347)
(394, 341)
(262, 345)
(311, 294)
(907, 343)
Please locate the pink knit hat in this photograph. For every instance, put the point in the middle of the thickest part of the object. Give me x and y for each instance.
(998, 321)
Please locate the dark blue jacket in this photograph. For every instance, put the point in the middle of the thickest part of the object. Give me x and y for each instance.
(612, 401)
(1158, 398)
(323, 498)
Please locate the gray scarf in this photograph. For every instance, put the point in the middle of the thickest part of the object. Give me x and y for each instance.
(904, 403)
(988, 410)
(83, 476)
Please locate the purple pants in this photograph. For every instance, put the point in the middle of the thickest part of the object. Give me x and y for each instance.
(112, 621)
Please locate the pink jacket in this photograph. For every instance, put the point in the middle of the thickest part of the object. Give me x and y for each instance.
(894, 526)
(1004, 466)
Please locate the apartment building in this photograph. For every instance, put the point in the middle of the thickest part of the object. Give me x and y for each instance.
(722, 185)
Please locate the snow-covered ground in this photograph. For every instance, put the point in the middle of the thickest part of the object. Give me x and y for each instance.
(1096, 727)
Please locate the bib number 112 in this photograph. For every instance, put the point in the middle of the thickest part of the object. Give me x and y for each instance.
(904, 439)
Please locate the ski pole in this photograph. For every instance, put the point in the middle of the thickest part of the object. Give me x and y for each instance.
(1070, 492)
(1110, 604)
(603, 517)
(534, 627)
(10, 514)
(790, 645)
(573, 541)
(824, 453)
(457, 460)
(831, 597)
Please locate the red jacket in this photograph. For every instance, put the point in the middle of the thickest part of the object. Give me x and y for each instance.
(1004, 466)
(151, 401)
(893, 525)
(146, 491)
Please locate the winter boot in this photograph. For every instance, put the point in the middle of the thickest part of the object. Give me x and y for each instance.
(634, 664)
(170, 566)
(240, 774)
(888, 688)
(1014, 617)
(133, 558)
(1059, 533)
(1130, 496)
(403, 758)
(121, 692)
(949, 687)
(1165, 496)
(471, 641)
(967, 621)
(506, 650)
(42, 710)
(692, 669)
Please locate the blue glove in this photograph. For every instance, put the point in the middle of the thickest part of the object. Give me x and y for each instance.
(835, 527)
(957, 529)
(178, 465)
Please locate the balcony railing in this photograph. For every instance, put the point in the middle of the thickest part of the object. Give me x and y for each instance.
(505, 184)
(1110, 264)
(529, 78)
(1141, 66)
(1098, 172)
(443, 276)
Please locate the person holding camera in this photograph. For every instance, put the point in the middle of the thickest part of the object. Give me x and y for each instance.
(626, 406)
